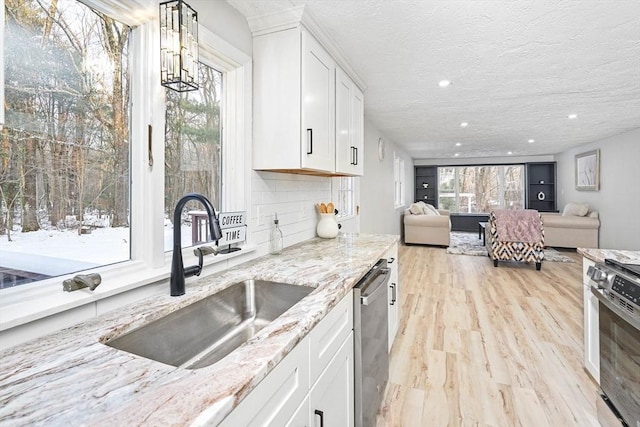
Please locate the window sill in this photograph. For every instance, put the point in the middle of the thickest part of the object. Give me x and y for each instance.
(22, 305)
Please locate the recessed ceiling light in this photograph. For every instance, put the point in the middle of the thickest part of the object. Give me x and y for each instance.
(456, 155)
(509, 153)
(572, 116)
(531, 141)
(458, 144)
(464, 124)
(444, 83)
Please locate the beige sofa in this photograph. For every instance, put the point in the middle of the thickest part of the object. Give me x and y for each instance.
(571, 231)
(427, 229)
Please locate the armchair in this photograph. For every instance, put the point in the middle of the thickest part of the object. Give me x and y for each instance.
(515, 235)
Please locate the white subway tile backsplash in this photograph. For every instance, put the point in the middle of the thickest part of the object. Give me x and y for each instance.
(293, 197)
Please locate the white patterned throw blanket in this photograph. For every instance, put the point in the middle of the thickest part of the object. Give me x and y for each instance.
(518, 225)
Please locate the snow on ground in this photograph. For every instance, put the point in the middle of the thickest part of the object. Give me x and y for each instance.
(40, 249)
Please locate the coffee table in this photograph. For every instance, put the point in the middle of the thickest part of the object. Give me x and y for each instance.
(482, 232)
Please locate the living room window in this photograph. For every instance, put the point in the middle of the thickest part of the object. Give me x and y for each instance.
(480, 188)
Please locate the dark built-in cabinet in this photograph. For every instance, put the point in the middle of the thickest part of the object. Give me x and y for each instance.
(426, 180)
(541, 186)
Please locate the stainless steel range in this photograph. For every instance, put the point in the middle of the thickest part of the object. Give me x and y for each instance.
(617, 287)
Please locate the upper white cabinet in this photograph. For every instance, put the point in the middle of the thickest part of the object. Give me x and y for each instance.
(349, 126)
(294, 99)
(318, 104)
(294, 103)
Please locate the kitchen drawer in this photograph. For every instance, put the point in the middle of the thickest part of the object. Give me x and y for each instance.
(392, 256)
(327, 337)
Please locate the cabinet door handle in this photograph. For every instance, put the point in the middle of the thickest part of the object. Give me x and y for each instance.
(150, 145)
(356, 148)
(318, 412)
(391, 260)
(353, 155)
(309, 141)
(393, 294)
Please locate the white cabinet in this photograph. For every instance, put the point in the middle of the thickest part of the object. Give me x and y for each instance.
(328, 335)
(591, 325)
(302, 416)
(330, 401)
(294, 103)
(314, 380)
(394, 293)
(331, 398)
(349, 126)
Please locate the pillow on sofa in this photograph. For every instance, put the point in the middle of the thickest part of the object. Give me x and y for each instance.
(416, 209)
(430, 210)
(575, 209)
(427, 209)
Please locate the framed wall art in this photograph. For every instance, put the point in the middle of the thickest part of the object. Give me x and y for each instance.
(588, 171)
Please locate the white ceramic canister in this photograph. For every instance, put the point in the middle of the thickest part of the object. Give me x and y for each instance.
(327, 226)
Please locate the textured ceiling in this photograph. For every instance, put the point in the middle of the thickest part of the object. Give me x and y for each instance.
(517, 70)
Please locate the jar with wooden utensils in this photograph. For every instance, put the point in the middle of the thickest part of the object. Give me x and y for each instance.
(327, 227)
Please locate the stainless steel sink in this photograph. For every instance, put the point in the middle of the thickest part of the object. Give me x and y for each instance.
(206, 331)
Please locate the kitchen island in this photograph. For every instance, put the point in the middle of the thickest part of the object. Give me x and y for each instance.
(599, 255)
(71, 377)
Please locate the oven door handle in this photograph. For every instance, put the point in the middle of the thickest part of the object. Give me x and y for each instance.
(615, 308)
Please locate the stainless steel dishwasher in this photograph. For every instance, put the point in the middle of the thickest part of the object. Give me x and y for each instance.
(371, 336)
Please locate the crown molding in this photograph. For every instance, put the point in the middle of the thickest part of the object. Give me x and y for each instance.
(298, 17)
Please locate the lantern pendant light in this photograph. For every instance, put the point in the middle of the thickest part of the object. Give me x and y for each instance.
(178, 46)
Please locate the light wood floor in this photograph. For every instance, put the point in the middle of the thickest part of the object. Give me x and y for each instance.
(486, 346)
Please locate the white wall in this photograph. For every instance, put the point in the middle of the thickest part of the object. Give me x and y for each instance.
(618, 200)
(224, 20)
(377, 211)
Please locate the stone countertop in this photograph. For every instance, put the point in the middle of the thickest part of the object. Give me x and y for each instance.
(599, 255)
(71, 378)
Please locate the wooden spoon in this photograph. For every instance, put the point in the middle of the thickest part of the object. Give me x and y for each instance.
(323, 208)
(330, 208)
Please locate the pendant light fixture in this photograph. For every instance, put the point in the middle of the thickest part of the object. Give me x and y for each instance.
(178, 46)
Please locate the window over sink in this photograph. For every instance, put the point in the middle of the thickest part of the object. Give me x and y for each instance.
(81, 90)
(64, 191)
(192, 150)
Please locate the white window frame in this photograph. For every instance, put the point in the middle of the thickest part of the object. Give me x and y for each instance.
(398, 181)
(148, 261)
(336, 195)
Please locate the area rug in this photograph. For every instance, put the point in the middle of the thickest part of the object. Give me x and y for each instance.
(469, 244)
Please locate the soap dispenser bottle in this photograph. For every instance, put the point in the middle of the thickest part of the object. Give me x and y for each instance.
(276, 240)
